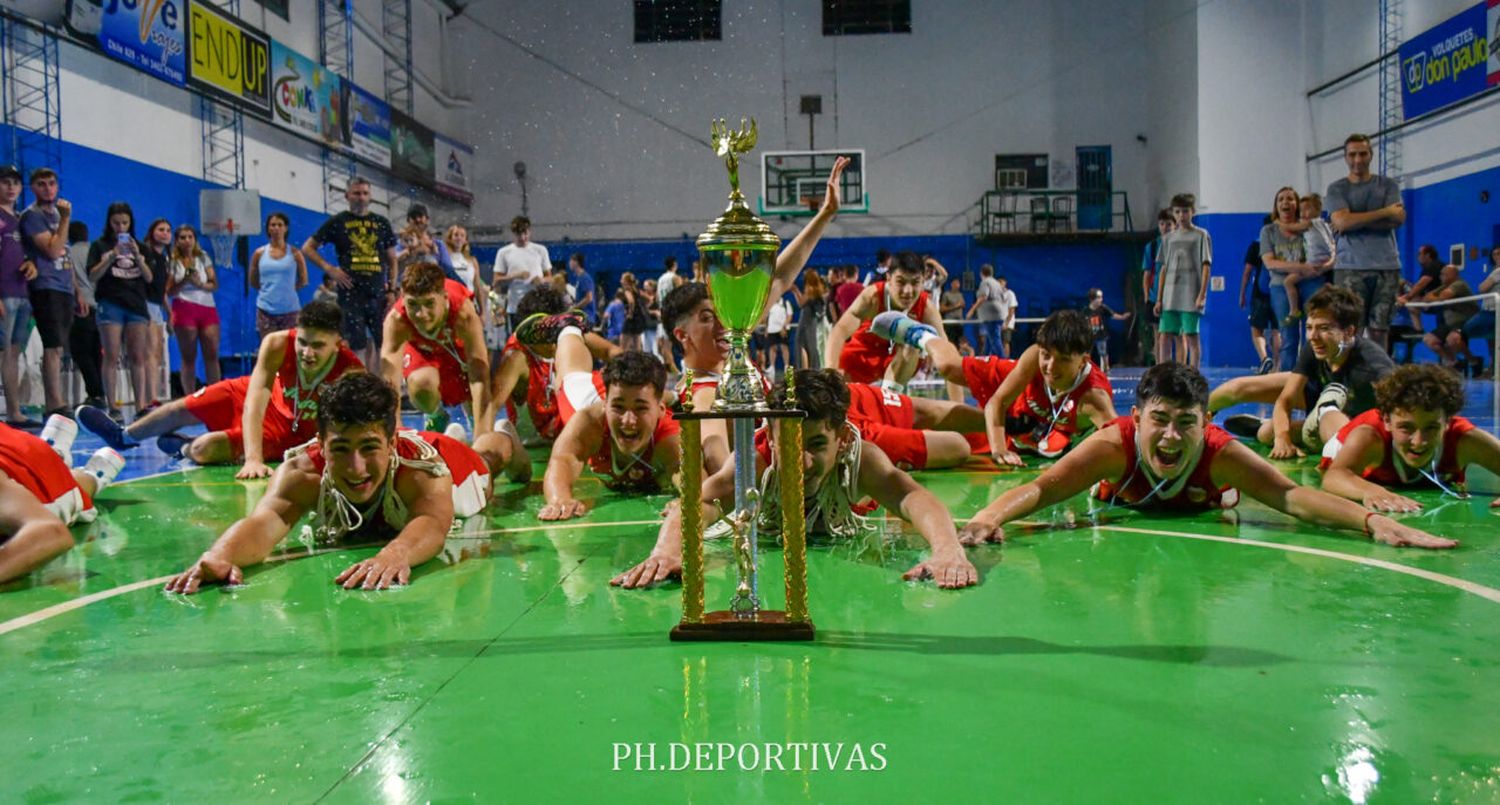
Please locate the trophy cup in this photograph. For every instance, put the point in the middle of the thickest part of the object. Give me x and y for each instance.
(738, 254)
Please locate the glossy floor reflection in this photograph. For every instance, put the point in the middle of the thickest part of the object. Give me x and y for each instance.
(1132, 660)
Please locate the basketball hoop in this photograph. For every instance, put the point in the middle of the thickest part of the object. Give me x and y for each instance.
(222, 240)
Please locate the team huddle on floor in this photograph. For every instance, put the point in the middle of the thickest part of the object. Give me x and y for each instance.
(329, 416)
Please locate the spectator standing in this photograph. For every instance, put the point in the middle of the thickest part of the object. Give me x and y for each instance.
(277, 273)
(15, 304)
(1183, 268)
(366, 273)
(1366, 209)
(1283, 252)
(583, 288)
(934, 277)
(653, 318)
(846, 292)
(951, 305)
(84, 344)
(465, 267)
(614, 318)
(1256, 279)
(1008, 306)
(120, 275)
(416, 245)
(156, 251)
(988, 306)
(53, 290)
(518, 265)
(882, 267)
(195, 317)
(816, 320)
(635, 313)
(778, 331)
(1155, 341)
(1099, 315)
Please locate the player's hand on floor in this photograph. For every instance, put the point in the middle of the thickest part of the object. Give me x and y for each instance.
(1388, 501)
(205, 571)
(561, 510)
(655, 569)
(376, 573)
(980, 530)
(1284, 449)
(253, 469)
(1006, 458)
(949, 571)
(1390, 532)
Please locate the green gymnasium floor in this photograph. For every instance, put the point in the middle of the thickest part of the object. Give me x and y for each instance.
(1197, 659)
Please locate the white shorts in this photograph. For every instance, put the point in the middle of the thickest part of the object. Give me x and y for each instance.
(471, 496)
(69, 508)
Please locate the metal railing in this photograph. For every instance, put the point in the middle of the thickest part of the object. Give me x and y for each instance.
(1021, 211)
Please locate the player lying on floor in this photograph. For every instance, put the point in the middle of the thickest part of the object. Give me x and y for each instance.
(859, 354)
(844, 478)
(1334, 380)
(434, 339)
(1034, 404)
(364, 479)
(616, 422)
(523, 376)
(1414, 437)
(690, 320)
(255, 418)
(40, 496)
(1165, 456)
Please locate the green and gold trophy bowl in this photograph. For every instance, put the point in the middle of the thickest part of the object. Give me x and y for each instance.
(738, 254)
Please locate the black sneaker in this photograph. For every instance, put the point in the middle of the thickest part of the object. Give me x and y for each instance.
(1245, 426)
(98, 422)
(172, 443)
(1266, 365)
(541, 330)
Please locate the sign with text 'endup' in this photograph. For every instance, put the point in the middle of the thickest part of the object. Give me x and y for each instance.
(229, 60)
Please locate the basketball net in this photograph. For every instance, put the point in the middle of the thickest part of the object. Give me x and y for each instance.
(222, 242)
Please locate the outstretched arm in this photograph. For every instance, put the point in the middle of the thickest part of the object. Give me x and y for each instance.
(665, 560)
(861, 309)
(1360, 450)
(1281, 416)
(994, 411)
(1237, 466)
(1478, 447)
(429, 500)
(791, 260)
(477, 362)
(36, 535)
(293, 491)
(257, 398)
(394, 336)
(947, 565)
(1099, 457)
(580, 438)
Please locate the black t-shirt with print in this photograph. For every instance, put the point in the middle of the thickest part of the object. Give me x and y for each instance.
(1367, 364)
(360, 240)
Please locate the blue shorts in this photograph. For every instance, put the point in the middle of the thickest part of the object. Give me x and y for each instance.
(158, 313)
(111, 313)
(15, 328)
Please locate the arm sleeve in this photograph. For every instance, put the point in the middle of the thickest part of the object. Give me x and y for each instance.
(1307, 363)
(1334, 200)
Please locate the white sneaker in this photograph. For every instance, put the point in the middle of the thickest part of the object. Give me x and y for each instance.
(59, 433)
(455, 430)
(105, 465)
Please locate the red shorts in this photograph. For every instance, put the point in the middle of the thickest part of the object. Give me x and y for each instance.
(984, 375)
(907, 447)
(30, 462)
(453, 378)
(221, 407)
(194, 315)
(863, 364)
(886, 419)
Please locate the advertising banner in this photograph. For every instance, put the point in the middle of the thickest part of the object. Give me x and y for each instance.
(369, 127)
(1451, 61)
(229, 60)
(453, 162)
(148, 34)
(307, 98)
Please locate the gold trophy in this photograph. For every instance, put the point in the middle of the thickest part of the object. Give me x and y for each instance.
(738, 253)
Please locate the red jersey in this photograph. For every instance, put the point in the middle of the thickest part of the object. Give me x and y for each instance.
(466, 467)
(1038, 409)
(633, 473)
(300, 405)
(538, 396)
(1386, 473)
(446, 341)
(875, 343)
(763, 451)
(1197, 492)
(30, 462)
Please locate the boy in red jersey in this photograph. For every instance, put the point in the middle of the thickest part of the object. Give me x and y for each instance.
(1166, 456)
(863, 356)
(365, 478)
(40, 496)
(1036, 403)
(844, 478)
(1413, 437)
(255, 418)
(524, 376)
(433, 337)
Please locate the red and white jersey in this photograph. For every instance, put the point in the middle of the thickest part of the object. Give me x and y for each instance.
(633, 473)
(447, 340)
(538, 396)
(471, 476)
(703, 380)
(1393, 472)
(1056, 410)
(869, 341)
(299, 403)
(1197, 492)
(30, 462)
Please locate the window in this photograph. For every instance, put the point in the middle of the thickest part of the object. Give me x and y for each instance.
(846, 17)
(677, 20)
(278, 7)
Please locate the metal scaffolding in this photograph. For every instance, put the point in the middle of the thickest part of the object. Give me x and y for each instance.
(30, 95)
(396, 25)
(1392, 19)
(336, 24)
(223, 143)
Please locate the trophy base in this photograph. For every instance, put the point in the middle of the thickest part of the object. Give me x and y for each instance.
(724, 626)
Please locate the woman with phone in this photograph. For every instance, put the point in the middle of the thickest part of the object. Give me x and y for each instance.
(122, 275)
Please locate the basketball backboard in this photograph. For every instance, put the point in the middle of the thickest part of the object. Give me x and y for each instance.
(793, 182)
(223, 211)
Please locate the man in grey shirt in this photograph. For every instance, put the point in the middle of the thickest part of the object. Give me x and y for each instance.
(1366, 210)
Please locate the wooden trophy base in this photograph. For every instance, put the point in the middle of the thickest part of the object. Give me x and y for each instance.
(768, 625)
